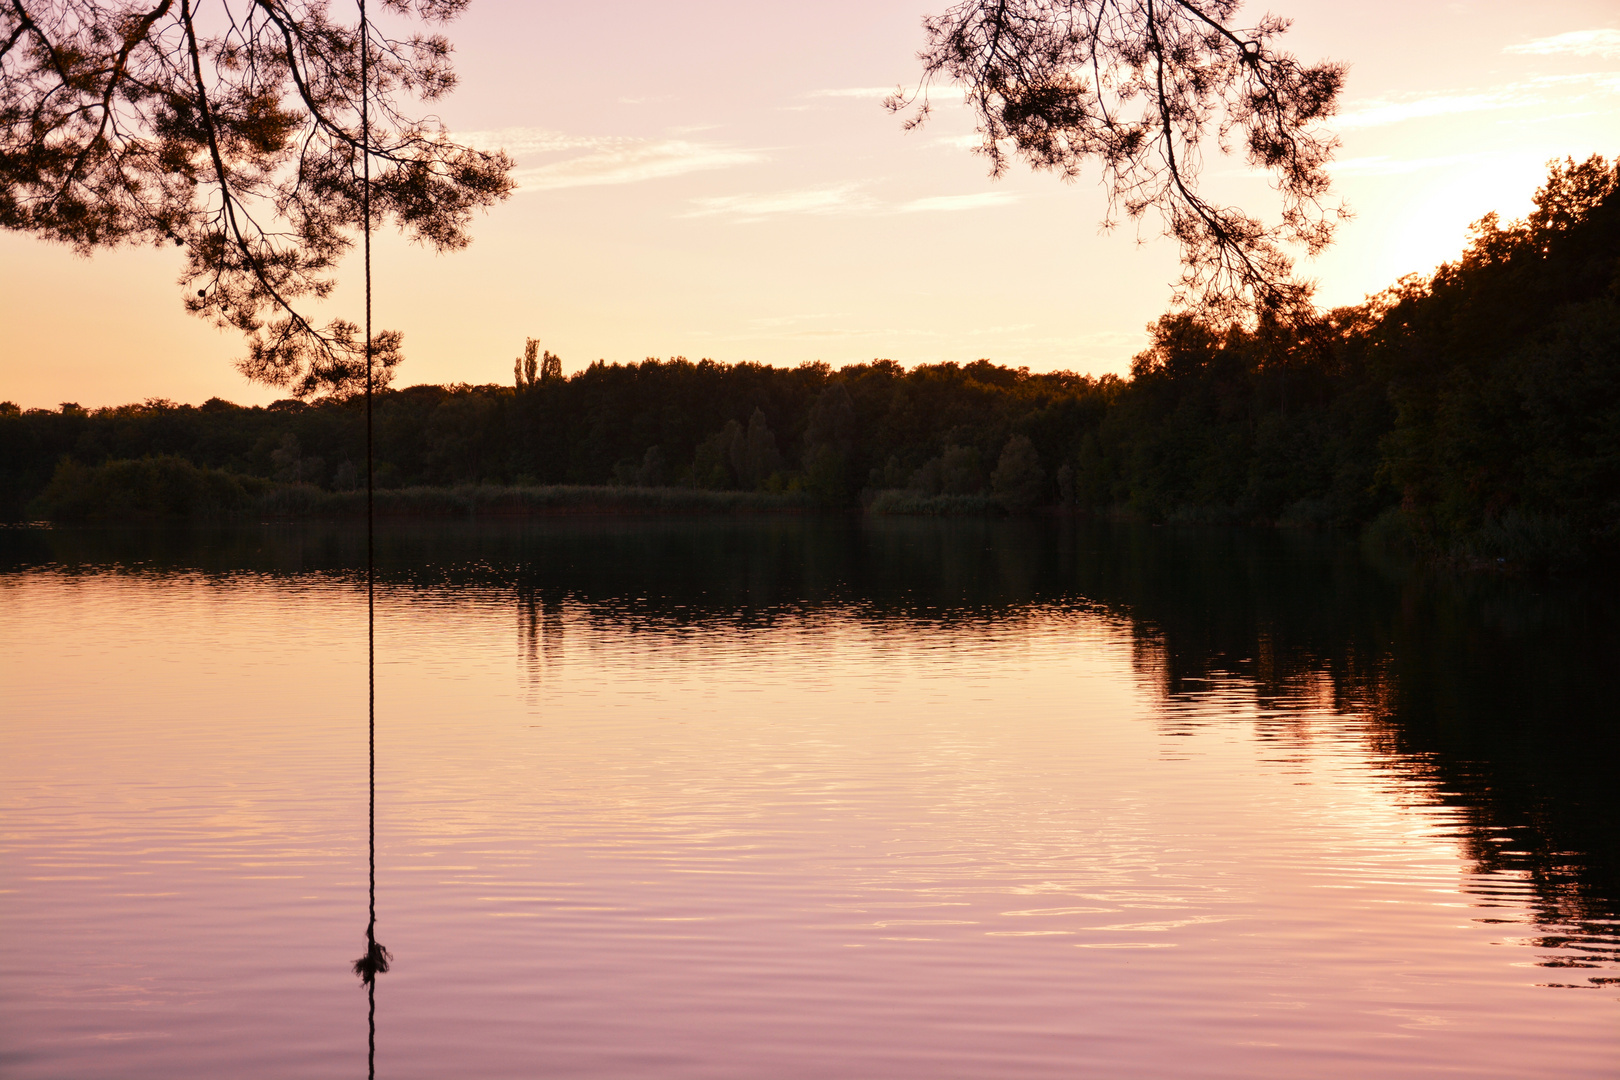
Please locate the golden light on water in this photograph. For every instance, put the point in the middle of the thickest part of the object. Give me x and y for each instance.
(758, 840)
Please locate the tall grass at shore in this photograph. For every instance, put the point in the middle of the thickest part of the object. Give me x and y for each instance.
(501, 500)
(170, 487)
(903, 501)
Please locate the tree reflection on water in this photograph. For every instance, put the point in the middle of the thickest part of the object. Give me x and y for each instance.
(1485, 694)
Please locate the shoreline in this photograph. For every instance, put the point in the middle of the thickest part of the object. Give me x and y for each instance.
(514, 501)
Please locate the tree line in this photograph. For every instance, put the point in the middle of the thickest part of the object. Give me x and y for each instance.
(1475, 412)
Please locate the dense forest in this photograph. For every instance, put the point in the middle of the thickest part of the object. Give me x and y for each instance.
(1475, 414)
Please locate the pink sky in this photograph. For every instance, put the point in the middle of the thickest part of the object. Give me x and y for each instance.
(718, 179)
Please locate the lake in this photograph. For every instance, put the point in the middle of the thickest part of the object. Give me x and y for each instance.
(802, 798)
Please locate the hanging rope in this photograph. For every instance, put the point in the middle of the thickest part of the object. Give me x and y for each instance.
(375, 962)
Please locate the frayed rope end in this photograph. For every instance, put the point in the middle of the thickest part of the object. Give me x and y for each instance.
(374, 963)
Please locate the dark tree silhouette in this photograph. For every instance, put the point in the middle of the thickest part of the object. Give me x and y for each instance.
(1143, 88)
(232, 128)
(534, 365)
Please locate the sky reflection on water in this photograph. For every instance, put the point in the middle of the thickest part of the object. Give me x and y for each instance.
(802, 799)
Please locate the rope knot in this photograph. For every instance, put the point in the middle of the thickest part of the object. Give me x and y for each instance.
(374, 963)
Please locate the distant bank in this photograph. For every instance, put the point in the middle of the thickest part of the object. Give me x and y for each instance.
(170, 487)
(1473, 416)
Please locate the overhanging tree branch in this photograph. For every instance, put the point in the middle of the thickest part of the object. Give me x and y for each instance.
(228, 128)
(1138, 88)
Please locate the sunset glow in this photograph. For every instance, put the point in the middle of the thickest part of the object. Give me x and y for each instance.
(721, 180)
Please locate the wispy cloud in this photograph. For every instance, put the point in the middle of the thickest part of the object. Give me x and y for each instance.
(1379, 113)
(1383, 165)
(836, 199)
(937, 93)
(1600, 43)
(873, 92)
(634, 163)
(1532, 93)
(977, 201)
(1110, 339)
(607, 159)
(848, 198)
(523, 142)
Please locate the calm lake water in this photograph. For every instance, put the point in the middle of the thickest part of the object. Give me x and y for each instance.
(803, 799)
